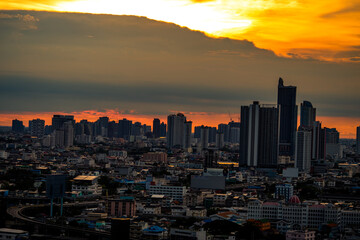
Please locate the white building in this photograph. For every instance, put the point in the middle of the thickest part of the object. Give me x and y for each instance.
(175, 192)
(285, 191)
(87, 185)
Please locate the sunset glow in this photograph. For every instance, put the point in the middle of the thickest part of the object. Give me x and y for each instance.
(326, 30)
(346, 126)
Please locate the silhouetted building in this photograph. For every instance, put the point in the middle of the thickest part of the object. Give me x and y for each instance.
(259, 135)
(220, 140)
(187, 137)
(212, 134)
(162, 129)
(307, 115)
(176, 130)
(288, 118)
(59, 120)
(156, 128)
(113, 129)
(303, 150)
(197, 132)
(124, 128)
(204, 137)
(225, 129)
(37, 127)
(17, 126)
(358, 140)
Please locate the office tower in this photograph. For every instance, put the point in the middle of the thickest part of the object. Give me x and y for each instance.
(358, 140)
(210, 158)
(17, 126)
(187, 137)
(235, 135)
(212, 134)
(288, 118)
(37, 127)
(156, 128)
(197, 132)
(162, 129)
(225, 129)
(113, 129)
(59, 120)
(137, 129)
(259, 135)
(316, 141)
(59, 137)
(101, 127)
(176, 130)
(307, 115)
(269, 122)
(232, 125)
(125, 128)
(146, 129)
(219, 140)
(68, 134)
(204, 137)
(333, 148)
(303, 150)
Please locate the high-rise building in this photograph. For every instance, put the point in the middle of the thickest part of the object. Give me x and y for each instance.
(234, 135)
(59, 120)
(197, 132)
(187, 137)
(212, 134)
(219, 140)
(285, 191)
(156, 128)
(37, 127)
(204, 137)
(68, 134)
(101, 127)
(176, 130)
(225, 129)
(307, 115)
(124, 129)
(259, 135)
(288, 118)
(17, 126)
(113, 129)
(162, 129)
(358, 140)
(303, 150)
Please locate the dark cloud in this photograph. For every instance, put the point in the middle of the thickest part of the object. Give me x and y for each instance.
(73, 62)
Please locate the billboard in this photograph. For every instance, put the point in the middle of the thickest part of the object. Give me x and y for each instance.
(55, 186)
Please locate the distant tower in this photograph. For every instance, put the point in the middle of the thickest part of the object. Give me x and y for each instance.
(358, 140)
(288, 118)
(124, 129)
(59, 120)
(187, 133)
(156, 128)
(307, 115)
(176, 130)
(303, 150)
(17, 126)
(37, 127)
(204, 137)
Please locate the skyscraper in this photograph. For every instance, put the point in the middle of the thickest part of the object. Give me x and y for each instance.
(17, 126)
(307, 115)
(303, 150)
(124, 129)
(288, 118)
(59, 120)
(358, 140)
(187, 134)
(156, 128)
(176, 130)
(259, 135)
(37, 127)
(162, 129)
(204, 137)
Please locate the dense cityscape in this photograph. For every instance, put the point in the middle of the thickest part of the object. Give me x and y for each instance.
(265, 176)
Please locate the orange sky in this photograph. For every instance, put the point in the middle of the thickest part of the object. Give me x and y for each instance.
(345, 125)
(322, 29)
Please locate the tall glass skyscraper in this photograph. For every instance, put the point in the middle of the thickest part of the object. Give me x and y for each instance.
(288, 118)
(307, 115)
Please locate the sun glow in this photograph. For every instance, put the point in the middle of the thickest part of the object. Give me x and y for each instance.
(203, 17)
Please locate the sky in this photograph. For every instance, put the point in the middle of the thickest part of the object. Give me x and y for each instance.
(203, 58)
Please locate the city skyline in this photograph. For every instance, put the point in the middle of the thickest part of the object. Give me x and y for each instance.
(133, 67)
